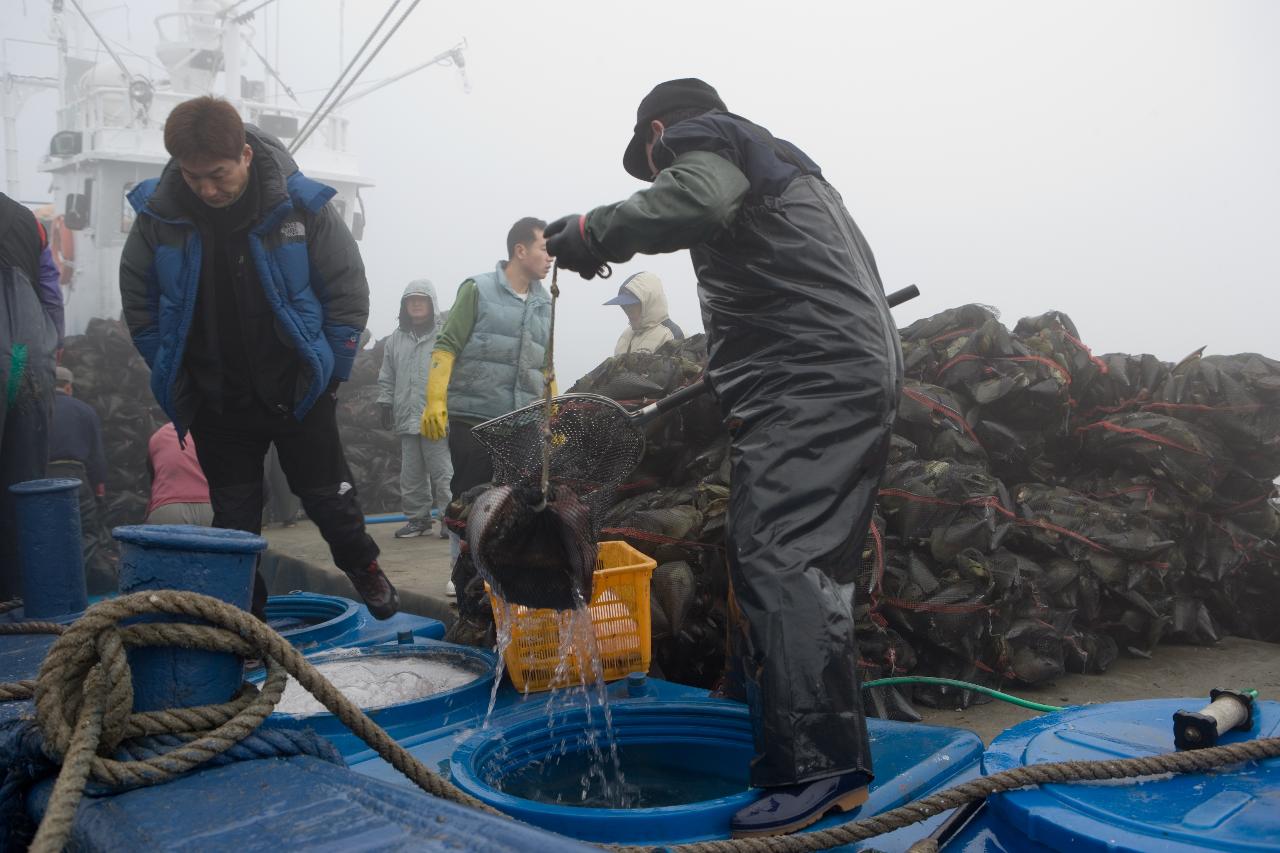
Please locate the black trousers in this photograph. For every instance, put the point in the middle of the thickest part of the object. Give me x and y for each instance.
(472, 466)
(232, 446)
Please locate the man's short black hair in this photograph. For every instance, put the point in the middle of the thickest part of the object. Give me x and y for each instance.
(523, 233)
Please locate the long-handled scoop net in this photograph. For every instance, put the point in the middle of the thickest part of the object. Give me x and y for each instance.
(557, 466)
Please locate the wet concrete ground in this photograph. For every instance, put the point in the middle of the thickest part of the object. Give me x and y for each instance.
(419, 568)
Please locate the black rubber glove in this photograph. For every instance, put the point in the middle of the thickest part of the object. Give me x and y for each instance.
(388, 421)
(567, 243)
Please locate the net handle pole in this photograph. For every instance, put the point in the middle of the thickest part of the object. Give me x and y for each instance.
(549, 379)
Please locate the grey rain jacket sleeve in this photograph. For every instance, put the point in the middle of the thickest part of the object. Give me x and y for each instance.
(338, 278)
(690, 202)
(387, 373)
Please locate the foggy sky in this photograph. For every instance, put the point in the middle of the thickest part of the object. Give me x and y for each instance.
(1114, 160)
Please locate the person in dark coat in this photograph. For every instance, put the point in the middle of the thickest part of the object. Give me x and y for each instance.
(30, 333)
(75, 451)
(806, 365)
(246, 294)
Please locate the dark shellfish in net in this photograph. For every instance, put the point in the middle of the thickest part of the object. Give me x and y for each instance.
(537, 557)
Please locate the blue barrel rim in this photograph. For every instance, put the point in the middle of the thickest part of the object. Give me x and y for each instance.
(419, 649)
(45, 486)
(640, 720)
(190, 537)
(343, 613)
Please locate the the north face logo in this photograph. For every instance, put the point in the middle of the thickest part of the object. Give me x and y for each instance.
(293, 230)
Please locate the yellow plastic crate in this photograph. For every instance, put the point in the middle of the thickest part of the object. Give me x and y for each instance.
(619, 616)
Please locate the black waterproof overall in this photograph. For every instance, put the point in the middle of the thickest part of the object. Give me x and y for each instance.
(806, 363)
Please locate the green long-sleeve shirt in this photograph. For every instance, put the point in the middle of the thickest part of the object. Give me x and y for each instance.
(462, 319)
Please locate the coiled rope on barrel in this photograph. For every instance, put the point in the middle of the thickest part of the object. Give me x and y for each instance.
(84, 702)
(84, 708)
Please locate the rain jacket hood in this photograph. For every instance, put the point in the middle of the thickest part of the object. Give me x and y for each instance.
(647, 287)
(653, 328)
(419, 287)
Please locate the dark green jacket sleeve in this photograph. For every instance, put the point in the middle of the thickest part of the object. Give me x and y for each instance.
(462, 319)
(689, 202)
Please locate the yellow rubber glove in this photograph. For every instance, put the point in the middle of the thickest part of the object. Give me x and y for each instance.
(435, 417)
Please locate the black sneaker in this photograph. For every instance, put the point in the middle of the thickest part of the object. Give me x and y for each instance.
(376, 590)
(415, 527)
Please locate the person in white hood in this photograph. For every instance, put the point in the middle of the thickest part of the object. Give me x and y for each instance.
(645, 303)
(425, 468)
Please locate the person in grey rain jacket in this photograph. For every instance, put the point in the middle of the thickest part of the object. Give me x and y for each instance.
(425, 468)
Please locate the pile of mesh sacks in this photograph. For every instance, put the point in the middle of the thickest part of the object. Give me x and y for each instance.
(111, 376)
(1044, 509)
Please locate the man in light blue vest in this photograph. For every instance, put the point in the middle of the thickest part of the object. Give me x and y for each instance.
(489, 358)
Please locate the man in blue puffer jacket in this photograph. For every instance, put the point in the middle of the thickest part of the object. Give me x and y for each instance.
(246, 294)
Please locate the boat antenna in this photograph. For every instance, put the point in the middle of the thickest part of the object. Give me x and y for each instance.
(271, 70)
(128, 76)
(323, 110)
(453, 56)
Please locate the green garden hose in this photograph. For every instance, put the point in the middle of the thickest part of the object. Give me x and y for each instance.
(963, 685)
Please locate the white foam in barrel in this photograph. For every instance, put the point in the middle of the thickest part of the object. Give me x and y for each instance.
(376, 682)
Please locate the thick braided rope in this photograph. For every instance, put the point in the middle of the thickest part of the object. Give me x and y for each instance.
(1192, 761)
(17, 690)
(84, 700)
(31, 628)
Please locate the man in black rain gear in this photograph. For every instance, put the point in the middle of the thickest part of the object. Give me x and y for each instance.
(805, 362)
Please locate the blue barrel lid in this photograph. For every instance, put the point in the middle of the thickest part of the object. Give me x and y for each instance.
(1233, 808)
(324, 617)
(43, 487)
(190, 537)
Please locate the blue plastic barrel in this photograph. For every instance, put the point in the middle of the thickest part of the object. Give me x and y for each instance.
(1235, 808)
(704, 745)
(217, 563)
(48, 516)
(692, 737)
(404, 721)
(314, 622)
(311, 621)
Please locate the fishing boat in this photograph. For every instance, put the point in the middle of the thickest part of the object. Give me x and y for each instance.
(111, 110)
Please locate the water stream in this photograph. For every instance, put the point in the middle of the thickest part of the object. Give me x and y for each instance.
(589, 752)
